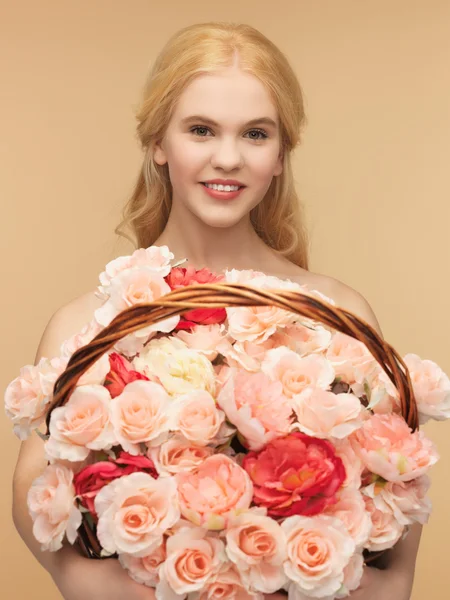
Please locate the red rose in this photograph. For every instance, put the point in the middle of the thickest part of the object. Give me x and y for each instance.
(90, 480)
(120, 374)
(182, 277)
(295, 475)
(136, 463)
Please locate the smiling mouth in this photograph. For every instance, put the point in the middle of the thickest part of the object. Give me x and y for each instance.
(239, 187)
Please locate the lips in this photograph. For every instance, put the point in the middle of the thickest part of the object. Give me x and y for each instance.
(224, 184)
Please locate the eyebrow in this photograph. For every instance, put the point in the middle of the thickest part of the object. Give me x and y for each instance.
(259, 121)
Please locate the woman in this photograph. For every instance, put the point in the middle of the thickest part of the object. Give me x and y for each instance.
(221, 113)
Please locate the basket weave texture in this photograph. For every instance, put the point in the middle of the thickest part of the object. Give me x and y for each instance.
(221, 295)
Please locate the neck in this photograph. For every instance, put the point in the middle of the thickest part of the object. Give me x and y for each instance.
(216, 248)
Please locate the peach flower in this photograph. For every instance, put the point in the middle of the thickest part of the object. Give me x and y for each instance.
(247, 355)
(196, 417)
(431, 388)
(297, 373)
(353, 573)
(319, 548)
(388, 447)
(140, 414)
(51, 502)
(194, 555)
(215, 491)
(302, 339)
(178, 455)
(257, 545)
(145, 570)
(27, 397)
(351, 510)
(155, 259)
(407, 500)
(352, 463)
(256, 323)
(257, 407)
(131, 287)
(207, 339)
(77, 341)
(325, 414)
(386, 530)
(350, 358)
(179, 368)
(383, 395)
(226, 584)
(81, 425)
(134, 512)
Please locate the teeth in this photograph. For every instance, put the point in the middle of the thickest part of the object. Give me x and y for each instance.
(222, 188)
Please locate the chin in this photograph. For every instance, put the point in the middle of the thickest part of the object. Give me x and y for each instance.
(217, 219)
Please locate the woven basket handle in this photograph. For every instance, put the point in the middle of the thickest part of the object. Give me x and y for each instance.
(221, 295)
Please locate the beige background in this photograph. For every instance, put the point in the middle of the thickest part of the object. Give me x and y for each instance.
(373, 171)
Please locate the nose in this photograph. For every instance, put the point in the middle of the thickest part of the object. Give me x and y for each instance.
(227, 155)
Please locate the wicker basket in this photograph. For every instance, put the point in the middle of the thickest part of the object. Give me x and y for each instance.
(222, 295)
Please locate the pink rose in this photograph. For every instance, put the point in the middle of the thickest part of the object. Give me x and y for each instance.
(351, 510)
(155, 259)
(86, 335)
(134, 512)
(27, 397)
(81, 425)
(256, 544)
(196, 417)
(134, 286)
(121, 373)
(257, 407)
(431, 388)
(227, 585)
(213, 492)
(353, 573)
(303, 340)
(178, 455)
(385, 531)
(246, 355)
(51, 502)
(350, 358)
(388, 447)
(193, 557)
(327, 415)
(140, 415)
(318, 548)
(295, 475)
(207, 339)
(145, 570)
(352, 463)
(296, 373)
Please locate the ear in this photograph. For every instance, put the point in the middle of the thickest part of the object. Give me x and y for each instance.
(279, 165)
(159, 156)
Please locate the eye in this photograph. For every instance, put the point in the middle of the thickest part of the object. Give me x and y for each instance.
(259, 132)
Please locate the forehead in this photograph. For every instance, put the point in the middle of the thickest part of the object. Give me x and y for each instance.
(229, 94)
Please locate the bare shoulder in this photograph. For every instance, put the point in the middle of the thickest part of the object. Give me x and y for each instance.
(67, 321)
(344, 295)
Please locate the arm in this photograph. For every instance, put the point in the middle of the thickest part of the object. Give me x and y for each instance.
(76, 577)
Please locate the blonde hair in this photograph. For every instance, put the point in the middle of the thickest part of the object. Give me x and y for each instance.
(192, 51)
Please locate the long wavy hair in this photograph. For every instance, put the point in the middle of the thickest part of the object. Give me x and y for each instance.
(192, 51)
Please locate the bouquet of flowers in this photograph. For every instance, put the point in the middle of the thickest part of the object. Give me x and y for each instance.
(227, 451)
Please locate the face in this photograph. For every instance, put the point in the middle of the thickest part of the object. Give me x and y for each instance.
(223, 140)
